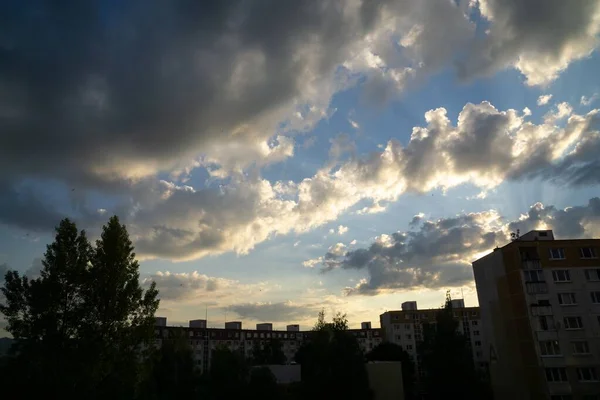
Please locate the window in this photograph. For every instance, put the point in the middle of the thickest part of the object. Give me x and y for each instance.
(546, 323)
(549, 348)
(534, 275)
(580, 347)
(398, 337)
(476, 333)
(556, 253)
(478, 343)
(587, 252)
(592, 274)
(478, 353)
(595, 297)
(409, 336)
(561, 275)
(567, 299)
(573, 323)
(474, 323)
(406, 326)
(409, 347)
(587, 374)
(556, 374)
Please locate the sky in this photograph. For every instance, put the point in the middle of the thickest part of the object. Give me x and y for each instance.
(271, 159)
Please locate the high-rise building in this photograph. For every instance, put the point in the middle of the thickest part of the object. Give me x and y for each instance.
(405, 328)
(540, 311)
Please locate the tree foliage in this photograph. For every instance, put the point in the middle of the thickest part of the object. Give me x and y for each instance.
(447, 360)
(332, 362)
(170, 371)
(269, 353)
(81, 325)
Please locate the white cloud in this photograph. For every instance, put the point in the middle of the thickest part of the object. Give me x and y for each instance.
(485, 147)
(586, 101)
(354, 124)
(544, 99)
(342, 230)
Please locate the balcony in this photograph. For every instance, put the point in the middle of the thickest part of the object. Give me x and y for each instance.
(537, 310)
(536, 287)
(531, 264)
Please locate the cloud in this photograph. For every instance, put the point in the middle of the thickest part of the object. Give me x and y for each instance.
(196, 288)
(586, 101)
(544, 99)
(354, 124)
(342, 229)
(569, 223)
(485, 147)
(287, 312)
(540, 39)
(439, 253)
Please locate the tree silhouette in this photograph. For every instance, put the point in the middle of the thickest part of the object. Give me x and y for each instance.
(447, 360)
(80, 326)
(269, 353)
(171, 372)
(332, 362)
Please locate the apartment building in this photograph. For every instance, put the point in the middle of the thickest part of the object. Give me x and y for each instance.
(539, 300)
(405, 328)
(205, 340)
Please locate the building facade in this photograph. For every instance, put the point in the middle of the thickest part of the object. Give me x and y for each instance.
(204, 341)
(405, 328)
(540, 309)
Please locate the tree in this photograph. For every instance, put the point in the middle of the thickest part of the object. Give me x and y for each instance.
(171, 372)
(447, 360)
(263, 384)
(120, 317)
(388, 351)
(45, 315)
(80, 326)
(228, 374)
(332, 362)
(269, 353)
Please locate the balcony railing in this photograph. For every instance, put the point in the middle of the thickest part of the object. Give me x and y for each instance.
(536, 287)
(531, 264)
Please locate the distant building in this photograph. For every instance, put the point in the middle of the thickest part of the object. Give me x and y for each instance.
(264, 327)
(540, 309)
(160, 321)
(205, 340)
(198, 323)
(365, 325)
(405, 328)
(237, 325)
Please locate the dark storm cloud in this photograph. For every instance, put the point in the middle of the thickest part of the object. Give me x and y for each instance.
(434, 256)
(88, 88)
(538, 37)
(439, 253)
